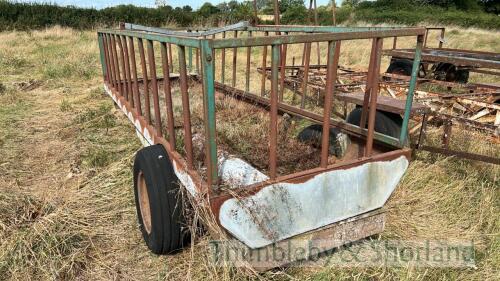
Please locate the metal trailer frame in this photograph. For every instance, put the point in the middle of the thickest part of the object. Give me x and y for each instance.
(475, 100)
(121, 80)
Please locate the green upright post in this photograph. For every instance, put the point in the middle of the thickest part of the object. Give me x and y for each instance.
(190, 55)
(101, 53)
(411, 89)
(207, 62)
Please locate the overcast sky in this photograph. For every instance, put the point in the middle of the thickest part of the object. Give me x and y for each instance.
(145, 3)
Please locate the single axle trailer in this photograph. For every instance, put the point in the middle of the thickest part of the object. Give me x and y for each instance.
(270, 168)
(472, 107)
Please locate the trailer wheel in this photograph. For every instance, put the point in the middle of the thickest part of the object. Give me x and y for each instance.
(462, 76)
(157, 200)
(401, 67)
(386, 123)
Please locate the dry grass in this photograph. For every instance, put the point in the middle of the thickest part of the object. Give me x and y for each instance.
(66, 203)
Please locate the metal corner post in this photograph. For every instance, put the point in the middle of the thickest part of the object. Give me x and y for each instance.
(411, 89)
(207, 62)
(101, 51)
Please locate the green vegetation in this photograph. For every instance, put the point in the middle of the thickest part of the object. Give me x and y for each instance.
(464, 13)
(412, 12)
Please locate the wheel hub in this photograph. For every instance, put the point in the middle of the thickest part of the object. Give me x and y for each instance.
(144, 206)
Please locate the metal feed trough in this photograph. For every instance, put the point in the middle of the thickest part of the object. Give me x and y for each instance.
(338, 198)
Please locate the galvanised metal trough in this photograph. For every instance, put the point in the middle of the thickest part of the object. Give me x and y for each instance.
(338, 199)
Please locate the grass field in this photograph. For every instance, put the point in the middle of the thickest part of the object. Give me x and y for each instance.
(66, 200)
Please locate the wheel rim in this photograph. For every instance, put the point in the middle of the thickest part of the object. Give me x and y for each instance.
(142, 193)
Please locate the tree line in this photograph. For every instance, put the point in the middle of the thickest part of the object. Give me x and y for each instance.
(477, 13)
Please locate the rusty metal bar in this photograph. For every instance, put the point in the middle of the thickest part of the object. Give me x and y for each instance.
(123, 82)
(103, 58)
(423, 131)
(373, 97)
(364, 113)
(109, 65)
(167, 91)
(307, 58)
(331, 78)
(273, 141)
(441, 39)
(235, 53)
(247, 74)
(394, 43)
(137, 103)
(145, 80)
(461, 154)
(264, 62)
(154, 86)
(117, 66)
(188, 139)
(316, 22)
(127, 71)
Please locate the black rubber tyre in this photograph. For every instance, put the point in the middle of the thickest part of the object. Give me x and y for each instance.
(386, 123)
(338, 142)
(401, 67)
(462, 76)
(158, 202)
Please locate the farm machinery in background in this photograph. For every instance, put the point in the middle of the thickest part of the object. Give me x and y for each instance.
(442, 85)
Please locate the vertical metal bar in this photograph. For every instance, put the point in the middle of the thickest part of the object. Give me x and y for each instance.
(167, 90)
(411, 90)
(190, 59)
(282, 70)
(154, 86)
(441, 39)
(209, 111)
(223, 61)
(170, 59)
(366, 100)
(395, 42)
(137, 98)
(264, 70)
(276, 13)
(373, 98)
(334, 6)
(127, 71)
(197, 60)
(122, 61)
(117, 66)
(316, 22)
(112, 62)
(305, 80)
(188, 139)
(109, 78)
(273, 141)
(247, 74)
(235, 53)
(423, 131)
(426, 36)
(101, 56)
(145, 80)
(331, 78)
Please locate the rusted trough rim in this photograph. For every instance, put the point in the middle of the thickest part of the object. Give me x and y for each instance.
(219, 197)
